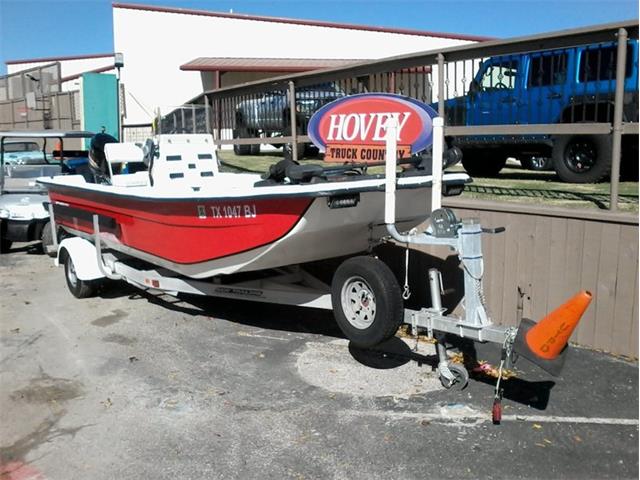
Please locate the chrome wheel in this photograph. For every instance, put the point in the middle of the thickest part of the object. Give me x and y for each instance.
(71, 274)
(358, 303)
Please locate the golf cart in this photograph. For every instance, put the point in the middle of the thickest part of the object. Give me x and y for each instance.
(25, 156)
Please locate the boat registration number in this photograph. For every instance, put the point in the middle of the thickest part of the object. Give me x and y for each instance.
(242, 210)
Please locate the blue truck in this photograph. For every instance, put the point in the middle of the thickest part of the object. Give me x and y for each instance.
(569, 85)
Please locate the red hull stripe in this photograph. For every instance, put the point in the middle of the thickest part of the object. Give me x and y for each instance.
(187, 232)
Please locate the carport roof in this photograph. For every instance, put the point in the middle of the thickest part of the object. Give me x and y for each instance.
(231, 64)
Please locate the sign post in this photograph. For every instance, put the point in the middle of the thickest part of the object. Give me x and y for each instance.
(436, 158)
(391, 140)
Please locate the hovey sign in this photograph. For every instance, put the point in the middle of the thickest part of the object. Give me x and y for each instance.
(352, 129)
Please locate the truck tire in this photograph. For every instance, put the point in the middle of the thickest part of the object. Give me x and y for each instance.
(240, 149)
(243, 132)
(367, 301)
(483, 162)
(582, 158)
(629, 161)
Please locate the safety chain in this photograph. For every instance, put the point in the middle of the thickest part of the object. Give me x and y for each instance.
(507, 347)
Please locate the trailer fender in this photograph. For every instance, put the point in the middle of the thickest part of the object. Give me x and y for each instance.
(83, 255)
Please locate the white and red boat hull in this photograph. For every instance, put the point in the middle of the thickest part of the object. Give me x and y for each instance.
(266, 227)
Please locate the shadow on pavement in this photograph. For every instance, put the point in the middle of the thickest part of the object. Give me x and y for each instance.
(390, 354)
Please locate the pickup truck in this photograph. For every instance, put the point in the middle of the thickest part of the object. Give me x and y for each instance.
(571, 85)
(270, 116)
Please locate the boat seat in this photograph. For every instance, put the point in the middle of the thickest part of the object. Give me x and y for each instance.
(184, 162)
(137, 179)
(125, 156)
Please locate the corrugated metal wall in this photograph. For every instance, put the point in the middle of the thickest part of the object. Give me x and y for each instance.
(55, 111)
(552, 254)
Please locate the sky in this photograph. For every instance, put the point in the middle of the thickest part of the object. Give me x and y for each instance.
(50, 28)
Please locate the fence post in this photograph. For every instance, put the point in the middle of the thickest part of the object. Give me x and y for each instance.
(617, 119)
(294, 129)
(207, 112)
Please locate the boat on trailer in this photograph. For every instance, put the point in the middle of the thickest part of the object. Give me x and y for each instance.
(187, 216)
(183, 226)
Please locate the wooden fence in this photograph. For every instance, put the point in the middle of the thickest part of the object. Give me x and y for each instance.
(553, 253)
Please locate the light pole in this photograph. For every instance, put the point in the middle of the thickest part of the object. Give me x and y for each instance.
(118, 62)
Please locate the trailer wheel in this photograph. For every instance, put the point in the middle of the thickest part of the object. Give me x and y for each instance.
(78, 288)
(367, 301)
(460, 380)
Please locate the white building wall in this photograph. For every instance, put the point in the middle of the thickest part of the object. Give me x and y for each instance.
(155, 44)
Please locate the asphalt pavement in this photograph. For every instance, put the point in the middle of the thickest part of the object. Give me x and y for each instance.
(134, 385)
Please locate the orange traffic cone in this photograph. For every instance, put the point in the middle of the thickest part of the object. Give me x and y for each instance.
(551, 334)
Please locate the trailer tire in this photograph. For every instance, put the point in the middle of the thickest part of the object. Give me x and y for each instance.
(78, 288)
(367, 301)
(582, 158)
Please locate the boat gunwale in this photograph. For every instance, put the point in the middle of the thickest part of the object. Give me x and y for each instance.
(458, 179)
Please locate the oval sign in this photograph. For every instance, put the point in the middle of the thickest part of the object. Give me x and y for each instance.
(352, 129)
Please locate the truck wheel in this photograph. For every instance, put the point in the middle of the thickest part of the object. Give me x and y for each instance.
(483, 162)
(367, 301)
(242, 132)
(78, 288)
(582, 158)
(629, 161)
(47, 240)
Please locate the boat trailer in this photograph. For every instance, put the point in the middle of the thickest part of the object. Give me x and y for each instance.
(363, 291)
